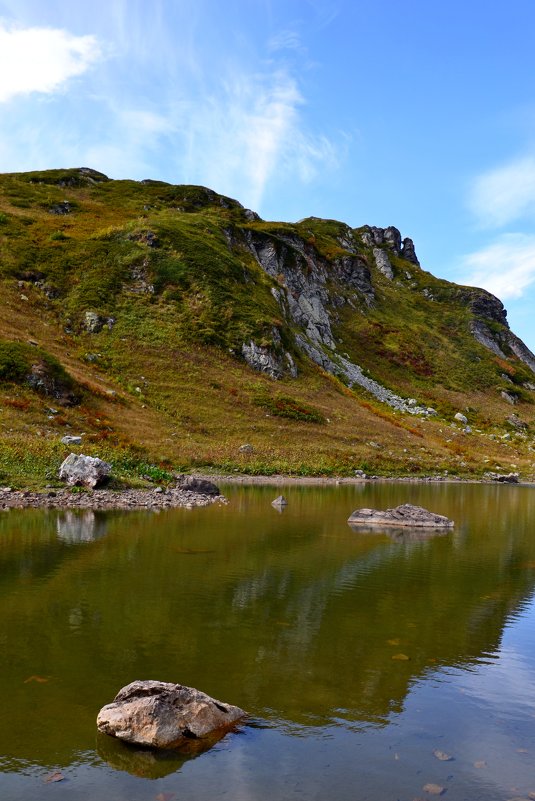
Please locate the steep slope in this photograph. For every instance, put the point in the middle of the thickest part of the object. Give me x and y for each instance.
(170, 326)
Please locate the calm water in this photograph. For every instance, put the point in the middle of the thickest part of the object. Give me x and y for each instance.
(357, 655)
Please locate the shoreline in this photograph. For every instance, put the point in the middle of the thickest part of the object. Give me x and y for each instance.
(106, 499)
(176, 498)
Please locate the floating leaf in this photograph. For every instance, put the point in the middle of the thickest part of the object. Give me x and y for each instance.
(57, 776)
(401, 657)
(442, 755)
(396, 641)
(480, 764)
(434, 789)
(164, 796)
(38, 679)
(522, 751)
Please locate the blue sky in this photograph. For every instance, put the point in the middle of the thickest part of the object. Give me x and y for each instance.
(410, 113)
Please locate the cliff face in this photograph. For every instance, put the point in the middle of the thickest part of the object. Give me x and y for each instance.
(120, 276)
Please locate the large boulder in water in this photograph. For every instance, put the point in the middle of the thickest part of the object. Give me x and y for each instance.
(404, 515)
(160, 714)
(84, 471)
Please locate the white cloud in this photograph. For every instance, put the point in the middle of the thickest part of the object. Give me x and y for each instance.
(504, 194)
(506, 267)
(41, 59)
(250, 133)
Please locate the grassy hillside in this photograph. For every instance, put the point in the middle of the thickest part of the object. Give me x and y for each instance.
(124, 308)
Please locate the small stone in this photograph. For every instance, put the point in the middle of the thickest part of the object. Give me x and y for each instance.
(68, 439)
(461, 418)
(246, 448)
(57, 776)
(434, 789)
(279, 501)
(442, 756)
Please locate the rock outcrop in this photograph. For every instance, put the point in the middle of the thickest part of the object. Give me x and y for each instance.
(160, 714)
(84, 471)
(400, 516)
(408, 251)
(382, 262)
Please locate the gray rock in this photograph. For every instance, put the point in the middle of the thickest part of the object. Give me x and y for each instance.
(509, 397)
(200, 485)
(63, 207)
(502, 478)
(482, 334)
(246, 448)
(393, 239)
(68, 439)
(461, 418)
(516, 422)
(84, 471)
(267, 360)
(367, 239)
(408, 251)
(160, 714)
(94, 323)
(280, 501)
(382, 263)
(400, 516)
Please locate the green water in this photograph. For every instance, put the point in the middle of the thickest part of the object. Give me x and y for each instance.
(292, 616)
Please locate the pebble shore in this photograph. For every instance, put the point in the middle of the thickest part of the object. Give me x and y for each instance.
(158, 498)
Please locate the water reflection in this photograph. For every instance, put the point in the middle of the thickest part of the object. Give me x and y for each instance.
(402, 533)
(296, 617)
(81, 526)
(148, 763)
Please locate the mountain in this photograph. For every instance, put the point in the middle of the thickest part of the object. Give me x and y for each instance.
(170, 327)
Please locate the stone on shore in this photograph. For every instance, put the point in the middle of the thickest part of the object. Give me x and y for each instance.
(160, 714)
(404, 515)
(69, 439)
(199, 485)
(502, 478)
(84, 471)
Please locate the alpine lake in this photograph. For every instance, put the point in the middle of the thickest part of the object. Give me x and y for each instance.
(374, 665)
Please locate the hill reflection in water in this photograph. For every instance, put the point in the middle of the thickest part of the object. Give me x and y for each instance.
(308, 625)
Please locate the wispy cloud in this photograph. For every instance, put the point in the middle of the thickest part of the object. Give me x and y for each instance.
(251, 133)
(506, 267)
(504, 194)
(286, 40)
(171, 97)
(41, 59)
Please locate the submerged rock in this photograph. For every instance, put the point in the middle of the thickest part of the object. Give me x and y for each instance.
(84, 471)
(404, 515)
(160, 714)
